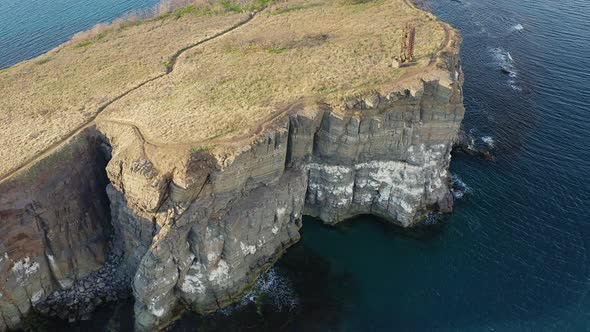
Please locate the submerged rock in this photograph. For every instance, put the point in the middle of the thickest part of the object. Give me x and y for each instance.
(474, 146)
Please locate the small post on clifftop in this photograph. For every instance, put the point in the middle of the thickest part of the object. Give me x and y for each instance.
(408, 38)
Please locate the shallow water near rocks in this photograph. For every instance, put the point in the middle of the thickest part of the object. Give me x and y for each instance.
(514, 256)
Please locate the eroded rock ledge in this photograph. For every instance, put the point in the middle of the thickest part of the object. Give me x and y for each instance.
(193, 227)
(201, 239)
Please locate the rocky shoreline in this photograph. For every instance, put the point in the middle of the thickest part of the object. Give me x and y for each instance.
(108, 284)
(474, 146)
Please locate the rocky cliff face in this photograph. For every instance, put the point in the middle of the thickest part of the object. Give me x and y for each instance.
(389, 159)
(195, 230)
(54, 227)
(199, 236)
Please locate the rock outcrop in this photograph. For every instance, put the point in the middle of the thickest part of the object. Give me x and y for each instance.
(55, 227)
(392, 163)
(193, 227)
(199, 237)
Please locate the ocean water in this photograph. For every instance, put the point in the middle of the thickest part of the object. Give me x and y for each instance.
(515, 254)
(29, 28)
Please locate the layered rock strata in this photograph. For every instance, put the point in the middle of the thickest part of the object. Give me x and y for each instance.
(193, 227)
(55, 227)
(200, 237)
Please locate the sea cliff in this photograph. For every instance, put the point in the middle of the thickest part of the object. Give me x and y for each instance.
(216, 235)
(187, 210)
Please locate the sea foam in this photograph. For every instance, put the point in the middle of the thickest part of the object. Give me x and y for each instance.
(517, 27)
(489, 140)
(505, 62)
(274, 284)
(459, 188)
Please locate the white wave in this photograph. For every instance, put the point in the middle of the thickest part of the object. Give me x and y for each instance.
(489, 140)
(459, 188)
(273, 284)
(517, 27)
(503, 58)
(506, 64)
(509, 57)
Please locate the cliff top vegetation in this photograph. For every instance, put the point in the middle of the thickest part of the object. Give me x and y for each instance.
(192, 72)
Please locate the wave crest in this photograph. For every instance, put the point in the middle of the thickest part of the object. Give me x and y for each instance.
(275, 286)
(459, 188)
(505, 62)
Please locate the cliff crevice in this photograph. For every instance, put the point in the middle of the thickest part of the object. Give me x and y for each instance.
(57, 219)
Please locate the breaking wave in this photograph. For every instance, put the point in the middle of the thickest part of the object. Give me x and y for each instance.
(517, 27)
(459, 188)
(277, 288)
(489, 140)
(505, 63)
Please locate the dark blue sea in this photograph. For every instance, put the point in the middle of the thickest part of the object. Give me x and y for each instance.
(515, 254)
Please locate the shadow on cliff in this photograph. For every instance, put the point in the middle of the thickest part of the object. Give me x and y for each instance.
(302, 292)
(111, 317)
(314, 302)
(430, 228)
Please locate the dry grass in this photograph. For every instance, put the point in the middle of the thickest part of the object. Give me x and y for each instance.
(329, 50)
(164, 10)
(45, 98)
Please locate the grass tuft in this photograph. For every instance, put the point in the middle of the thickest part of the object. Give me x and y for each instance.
(232, 7)
(84, 44)
(277, 50)
(264, 3)
(201, 148)
(44, 60)
(167, 64)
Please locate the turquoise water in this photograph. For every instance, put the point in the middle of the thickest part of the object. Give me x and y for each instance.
(515, 254)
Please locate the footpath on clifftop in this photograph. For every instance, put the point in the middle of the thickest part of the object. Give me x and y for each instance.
(189, 76)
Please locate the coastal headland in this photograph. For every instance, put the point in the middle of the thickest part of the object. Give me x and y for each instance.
(176, 155)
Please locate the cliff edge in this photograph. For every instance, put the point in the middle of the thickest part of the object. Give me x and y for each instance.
(189, 146)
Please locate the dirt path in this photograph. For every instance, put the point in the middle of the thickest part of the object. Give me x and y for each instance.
(274, 117)
(266, 123)
(173, 59)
